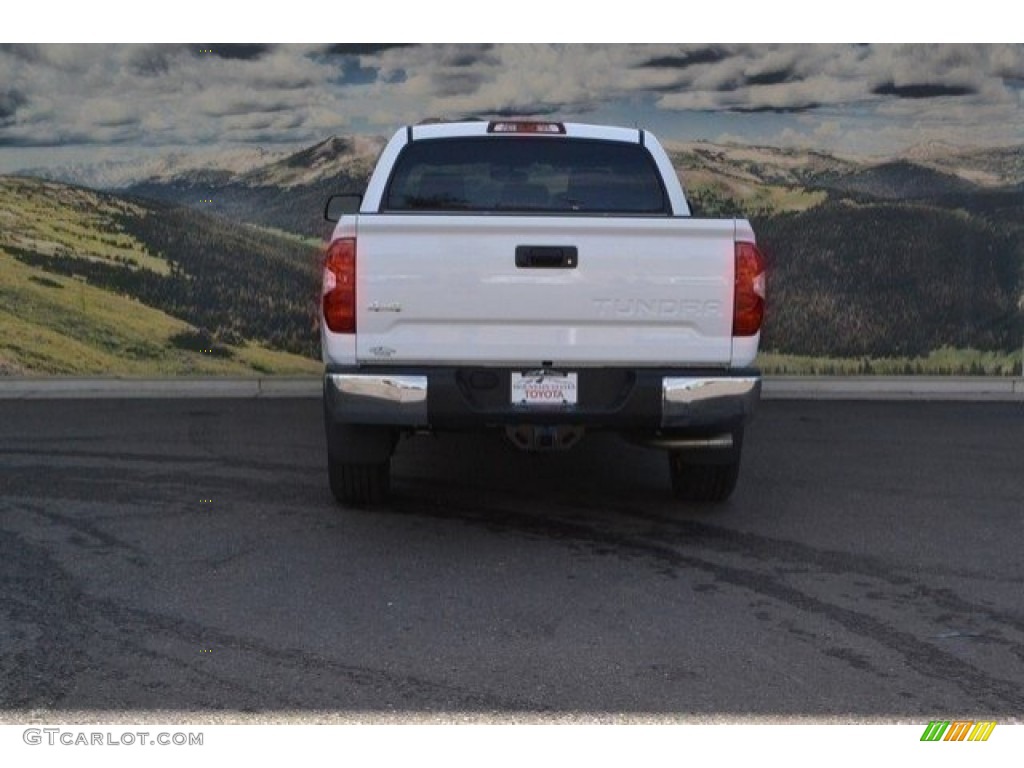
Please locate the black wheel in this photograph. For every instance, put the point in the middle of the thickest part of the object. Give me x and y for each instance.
(359, 462)
(705, 479)
(361, 485)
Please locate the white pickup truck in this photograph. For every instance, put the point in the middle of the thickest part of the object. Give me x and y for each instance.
(542, 279)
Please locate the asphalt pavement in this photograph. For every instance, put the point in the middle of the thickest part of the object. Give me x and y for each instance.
(183, 559)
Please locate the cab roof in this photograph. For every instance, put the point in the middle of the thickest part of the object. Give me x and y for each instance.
(523, 127)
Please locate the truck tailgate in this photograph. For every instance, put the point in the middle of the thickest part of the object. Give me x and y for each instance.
(638, 290)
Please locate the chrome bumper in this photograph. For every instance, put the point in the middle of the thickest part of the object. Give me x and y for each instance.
(707, 401)
(400, 400)
(379, 399)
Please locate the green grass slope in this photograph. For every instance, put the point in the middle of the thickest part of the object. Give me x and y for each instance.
(62, 252)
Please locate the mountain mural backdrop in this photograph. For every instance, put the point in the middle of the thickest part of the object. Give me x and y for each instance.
(186, 265)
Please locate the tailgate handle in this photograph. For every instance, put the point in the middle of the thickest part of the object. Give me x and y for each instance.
(546, 256)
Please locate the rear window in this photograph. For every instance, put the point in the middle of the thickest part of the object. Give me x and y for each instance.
(526, 174)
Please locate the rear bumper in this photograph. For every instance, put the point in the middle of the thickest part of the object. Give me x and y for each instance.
(366, 398)
(467, 398)
(708, 400)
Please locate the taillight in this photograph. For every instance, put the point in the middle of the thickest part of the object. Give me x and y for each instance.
(748, 299)
(339, 289)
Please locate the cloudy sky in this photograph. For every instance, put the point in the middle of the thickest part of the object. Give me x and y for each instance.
(63, 102)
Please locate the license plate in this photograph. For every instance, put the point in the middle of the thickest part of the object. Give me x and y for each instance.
(544, 388)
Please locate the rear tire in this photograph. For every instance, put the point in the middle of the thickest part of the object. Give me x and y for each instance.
(359, 462)
(706, 479)
(361, 485)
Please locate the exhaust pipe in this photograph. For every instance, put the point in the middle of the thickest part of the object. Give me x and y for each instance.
(717, 443)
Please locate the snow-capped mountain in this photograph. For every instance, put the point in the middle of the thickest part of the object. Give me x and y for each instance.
(353, 156)
(164, 166)
(251, 166)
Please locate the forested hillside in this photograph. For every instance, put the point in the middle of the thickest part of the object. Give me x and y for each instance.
(891, 259)
(233, 279)
(867, 259)
(96, 283)
(877, 280)
(287, 194)
(298, 210)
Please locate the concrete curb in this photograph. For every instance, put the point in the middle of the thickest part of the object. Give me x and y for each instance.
(75, 388)
(955, 388)
(930, 388)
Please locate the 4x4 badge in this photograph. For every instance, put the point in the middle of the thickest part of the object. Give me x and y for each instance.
(376, 306)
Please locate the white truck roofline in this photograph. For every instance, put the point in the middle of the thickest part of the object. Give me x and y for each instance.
(480, 128)
(673, 187)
